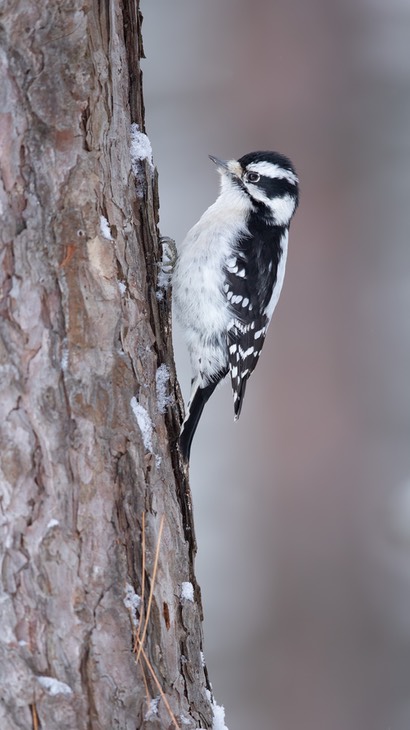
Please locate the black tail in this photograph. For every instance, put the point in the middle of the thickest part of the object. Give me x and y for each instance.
(194, 411)
(238, 397)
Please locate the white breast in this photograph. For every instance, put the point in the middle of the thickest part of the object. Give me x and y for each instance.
(198, 279)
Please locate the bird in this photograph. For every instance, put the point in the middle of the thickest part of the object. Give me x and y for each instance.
(228, 276)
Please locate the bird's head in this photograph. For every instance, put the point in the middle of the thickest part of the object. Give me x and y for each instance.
(267, 180)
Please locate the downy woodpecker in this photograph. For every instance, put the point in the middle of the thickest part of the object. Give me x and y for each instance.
(229, 274)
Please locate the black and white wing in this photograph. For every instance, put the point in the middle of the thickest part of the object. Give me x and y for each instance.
(253, 281)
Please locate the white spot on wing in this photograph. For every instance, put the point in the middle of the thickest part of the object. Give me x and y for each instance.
(246, 353)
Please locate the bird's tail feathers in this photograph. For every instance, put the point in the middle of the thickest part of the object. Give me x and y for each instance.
(238, 396)
(199, 396)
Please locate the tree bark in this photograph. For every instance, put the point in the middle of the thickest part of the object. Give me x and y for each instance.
(87, 455)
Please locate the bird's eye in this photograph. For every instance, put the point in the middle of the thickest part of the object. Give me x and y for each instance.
(252, 177)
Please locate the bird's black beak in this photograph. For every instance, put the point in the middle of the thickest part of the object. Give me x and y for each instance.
(223, 164)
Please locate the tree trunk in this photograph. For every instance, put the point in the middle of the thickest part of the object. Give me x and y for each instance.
(91, 485)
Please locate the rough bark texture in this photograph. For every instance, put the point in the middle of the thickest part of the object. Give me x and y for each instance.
(75, 348)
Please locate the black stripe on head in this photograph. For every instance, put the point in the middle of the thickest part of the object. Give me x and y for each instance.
(275, 158)
(275, 187)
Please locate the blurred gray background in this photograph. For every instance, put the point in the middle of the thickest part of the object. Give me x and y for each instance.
(303, 507)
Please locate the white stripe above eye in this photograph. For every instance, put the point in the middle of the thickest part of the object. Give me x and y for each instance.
(269, 169)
